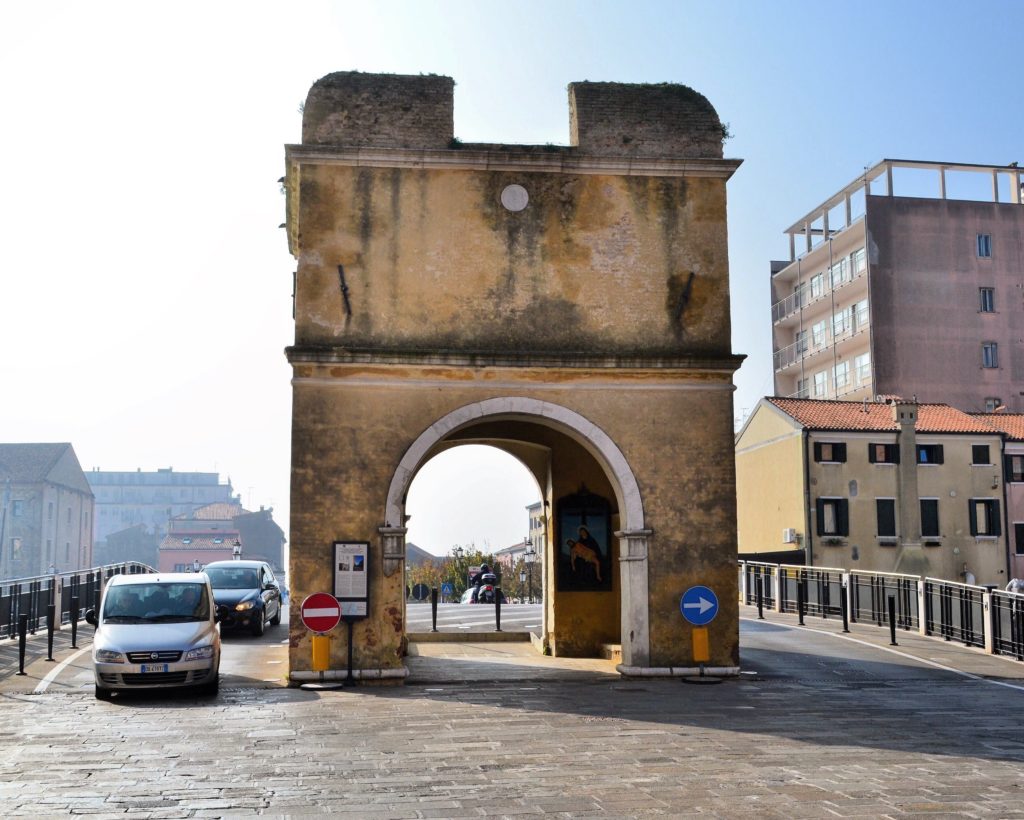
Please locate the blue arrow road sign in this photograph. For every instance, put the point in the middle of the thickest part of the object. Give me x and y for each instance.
(447, 588)
(699, 605)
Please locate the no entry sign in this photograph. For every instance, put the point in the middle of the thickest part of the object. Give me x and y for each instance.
(321, 612)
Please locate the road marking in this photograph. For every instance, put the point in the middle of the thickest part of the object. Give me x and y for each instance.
(961, 672)
(41, 686)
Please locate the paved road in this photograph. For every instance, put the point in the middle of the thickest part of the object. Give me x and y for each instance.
(830, 726)
(475, 617)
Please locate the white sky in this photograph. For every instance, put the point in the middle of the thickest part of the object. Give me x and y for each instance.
(146, 296)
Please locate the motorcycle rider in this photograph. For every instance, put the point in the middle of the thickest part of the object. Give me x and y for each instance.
(479, 580)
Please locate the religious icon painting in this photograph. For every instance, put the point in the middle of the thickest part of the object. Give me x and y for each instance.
(583, 559)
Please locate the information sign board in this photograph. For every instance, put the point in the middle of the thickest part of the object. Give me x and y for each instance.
(352, 578)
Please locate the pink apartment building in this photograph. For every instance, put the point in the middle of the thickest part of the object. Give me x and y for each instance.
(909, 281)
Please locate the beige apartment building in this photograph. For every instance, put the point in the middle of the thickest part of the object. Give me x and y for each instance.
(881, 486)
(906, 282)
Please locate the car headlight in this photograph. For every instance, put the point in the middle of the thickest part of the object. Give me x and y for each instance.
(202, 653)
(108, 656)
(242, 607)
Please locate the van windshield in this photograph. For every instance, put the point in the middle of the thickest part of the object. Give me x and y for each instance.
(134, 603)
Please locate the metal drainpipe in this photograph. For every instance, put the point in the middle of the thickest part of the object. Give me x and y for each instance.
(808, 541)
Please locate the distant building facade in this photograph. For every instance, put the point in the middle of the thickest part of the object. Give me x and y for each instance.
(1011, 425)
(127, 499)
(887, 487)
(46, 510)
(212, 533)
(892, 288)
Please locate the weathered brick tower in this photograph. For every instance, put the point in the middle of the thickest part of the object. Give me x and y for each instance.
(569, 305)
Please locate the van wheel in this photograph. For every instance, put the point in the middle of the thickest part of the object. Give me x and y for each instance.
(103, 694)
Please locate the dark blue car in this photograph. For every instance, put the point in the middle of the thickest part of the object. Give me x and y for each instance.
(246, 593)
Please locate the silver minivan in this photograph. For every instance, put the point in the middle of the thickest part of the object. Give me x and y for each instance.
(155, 631)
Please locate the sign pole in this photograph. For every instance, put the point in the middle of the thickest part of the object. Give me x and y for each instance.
(350, 679)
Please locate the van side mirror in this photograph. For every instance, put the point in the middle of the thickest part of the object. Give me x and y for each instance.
(90, 617)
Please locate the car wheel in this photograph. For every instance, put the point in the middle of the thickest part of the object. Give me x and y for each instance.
(213, 686)
(276, 620)
(103, 694)
(258, 626)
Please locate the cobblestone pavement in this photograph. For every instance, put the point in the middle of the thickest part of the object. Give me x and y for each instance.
(829, 728)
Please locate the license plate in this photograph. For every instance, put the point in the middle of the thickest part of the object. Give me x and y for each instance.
(154, 667)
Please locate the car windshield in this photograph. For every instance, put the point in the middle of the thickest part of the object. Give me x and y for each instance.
(232, 578)
(136, 603)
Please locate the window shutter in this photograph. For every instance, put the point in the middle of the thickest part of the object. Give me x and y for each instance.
(843, 516)
(972, 511)
(840, 452)
(892, 452)
(995, 522)
(821, 516)
(871, 454)
(1008, 468)
(817, 451)
(886, 511)
(929, 517)
(939, 453)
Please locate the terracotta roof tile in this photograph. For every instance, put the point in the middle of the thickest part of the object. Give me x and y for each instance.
(824, 414)
(184, 541)
(1010, 423)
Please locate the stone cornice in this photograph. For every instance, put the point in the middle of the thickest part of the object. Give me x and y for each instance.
(535, 160)
(330, 355)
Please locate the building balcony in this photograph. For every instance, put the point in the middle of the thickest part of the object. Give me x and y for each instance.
(788, 309)
(806, 350)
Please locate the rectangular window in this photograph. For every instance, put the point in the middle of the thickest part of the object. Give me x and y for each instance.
(1015, 468)
(819, 334)
(930, 517)
(1018, 539)
(18, 508)
(989, 354)
(993, 403)
(817, 285)
(929, 454)
(801, 341)
(841, 375)
(886, 512)
(859, 261)
(984, 513)
(883, 454)
(979, 454)
(862, 365)
(820, 384)
(860, 314)
(987, 299)
(830, 451)
(841, 322)
(839, 272)
(984, 245)
(833, 516)
(803, 388)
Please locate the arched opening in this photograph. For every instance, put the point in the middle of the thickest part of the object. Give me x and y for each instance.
(569, 457)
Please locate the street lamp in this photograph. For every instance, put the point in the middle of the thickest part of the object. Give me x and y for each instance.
(236, 550)
(529, 557)
(522, 578)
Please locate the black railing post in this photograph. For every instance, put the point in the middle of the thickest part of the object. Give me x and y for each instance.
(22, 634)
(801, 598)
(497, 608)
(51, 616)
(892, 621)
(433, 609)
(844, 607)
(73, 614)
(759, 594)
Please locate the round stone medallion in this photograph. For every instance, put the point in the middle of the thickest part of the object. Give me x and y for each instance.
(514, 197)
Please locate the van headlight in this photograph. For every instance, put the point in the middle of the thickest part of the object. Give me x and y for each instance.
(242, 607)
(200, 654)
(109, 656)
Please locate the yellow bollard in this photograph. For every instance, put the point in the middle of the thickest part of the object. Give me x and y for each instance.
(701, 645)
(321, 653)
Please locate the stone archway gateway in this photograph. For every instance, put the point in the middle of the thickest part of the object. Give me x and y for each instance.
(568, 304)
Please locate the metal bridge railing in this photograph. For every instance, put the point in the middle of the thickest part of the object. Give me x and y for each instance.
(31, 596)
(973, 615)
